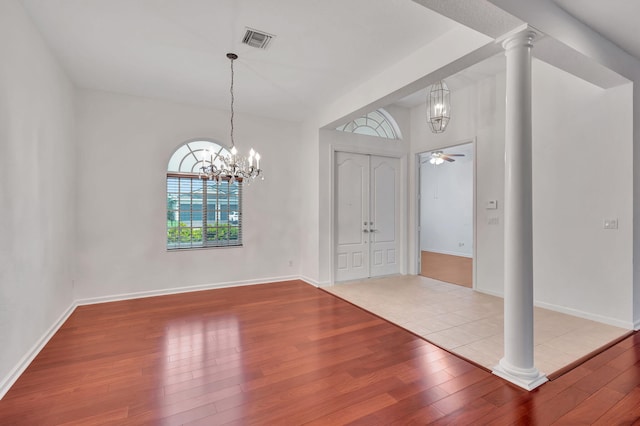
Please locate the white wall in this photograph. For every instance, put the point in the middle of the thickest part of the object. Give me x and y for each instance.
(309, 209)
(37, 203)
(125, 145)
(490, 127)
(446, 204)
(582, 153)
(578, 266)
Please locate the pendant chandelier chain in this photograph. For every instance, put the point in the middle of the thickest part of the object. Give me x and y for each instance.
(232, 102)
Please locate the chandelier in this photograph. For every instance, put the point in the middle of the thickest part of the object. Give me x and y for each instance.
(438, 106)
(232, 166)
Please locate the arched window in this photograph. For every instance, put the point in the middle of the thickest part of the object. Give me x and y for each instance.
(201, 212)
(377, 123)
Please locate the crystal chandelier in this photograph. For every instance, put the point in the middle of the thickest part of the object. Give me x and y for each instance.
(438, 106)
(232, 166)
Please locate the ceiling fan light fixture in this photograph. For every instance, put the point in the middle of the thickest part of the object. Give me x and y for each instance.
(436, 160)
(438, 106)
(439, 157)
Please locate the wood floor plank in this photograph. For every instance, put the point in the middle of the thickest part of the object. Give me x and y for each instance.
(448, 268)
(627, 380)
(593, 407)
(407, 407)
(597, 379)
(625, 412)
(287, 353)
(476, 389)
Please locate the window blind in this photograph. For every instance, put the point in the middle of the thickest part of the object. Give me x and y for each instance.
(203, 213)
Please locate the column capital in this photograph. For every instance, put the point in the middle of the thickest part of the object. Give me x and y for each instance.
(521, 36)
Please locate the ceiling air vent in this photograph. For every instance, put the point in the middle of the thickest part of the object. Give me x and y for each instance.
(255, 38)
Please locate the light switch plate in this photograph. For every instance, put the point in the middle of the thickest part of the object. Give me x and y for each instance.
(492, 204)
(611, 224)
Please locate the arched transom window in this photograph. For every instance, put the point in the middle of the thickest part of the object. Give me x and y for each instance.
(376, 123)
(201, 212)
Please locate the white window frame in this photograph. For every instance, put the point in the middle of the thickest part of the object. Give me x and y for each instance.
(190, 222)
(376, 123)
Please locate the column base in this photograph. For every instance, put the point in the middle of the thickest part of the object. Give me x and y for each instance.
(528, 379)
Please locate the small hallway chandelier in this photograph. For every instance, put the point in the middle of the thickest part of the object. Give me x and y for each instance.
(232, 166)
(438, 107)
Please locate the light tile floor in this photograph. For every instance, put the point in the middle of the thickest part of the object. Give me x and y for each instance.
(470, 324)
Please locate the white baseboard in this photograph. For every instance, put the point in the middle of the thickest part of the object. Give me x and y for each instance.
(22, 365)
(177, 290)
(586, 315)
(577, 313)
(450, 253)
(490, 293)
(311, 281)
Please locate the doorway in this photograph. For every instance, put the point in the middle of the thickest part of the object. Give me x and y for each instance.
(367, 189)
(446, 214)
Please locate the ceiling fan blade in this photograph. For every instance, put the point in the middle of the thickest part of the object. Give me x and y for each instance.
(455, 155)
(444, 157)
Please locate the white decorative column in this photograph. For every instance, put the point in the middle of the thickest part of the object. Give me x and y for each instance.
(517, 364)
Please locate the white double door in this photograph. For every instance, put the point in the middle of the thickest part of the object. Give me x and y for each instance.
(367, 216)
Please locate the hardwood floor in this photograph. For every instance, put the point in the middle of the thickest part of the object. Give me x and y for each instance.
(288, 353)
(447, 268)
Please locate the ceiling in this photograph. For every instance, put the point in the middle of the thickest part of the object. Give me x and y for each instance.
(614, 19)
(176, 49)
(485, 69)
(617, 20)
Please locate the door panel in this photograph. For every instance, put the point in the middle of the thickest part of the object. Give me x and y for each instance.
(384, 215)
(367, 229)
(352, 195)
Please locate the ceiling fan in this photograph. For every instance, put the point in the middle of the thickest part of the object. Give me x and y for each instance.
(439, 157)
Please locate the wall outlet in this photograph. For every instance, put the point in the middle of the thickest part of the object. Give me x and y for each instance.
(611, 224)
